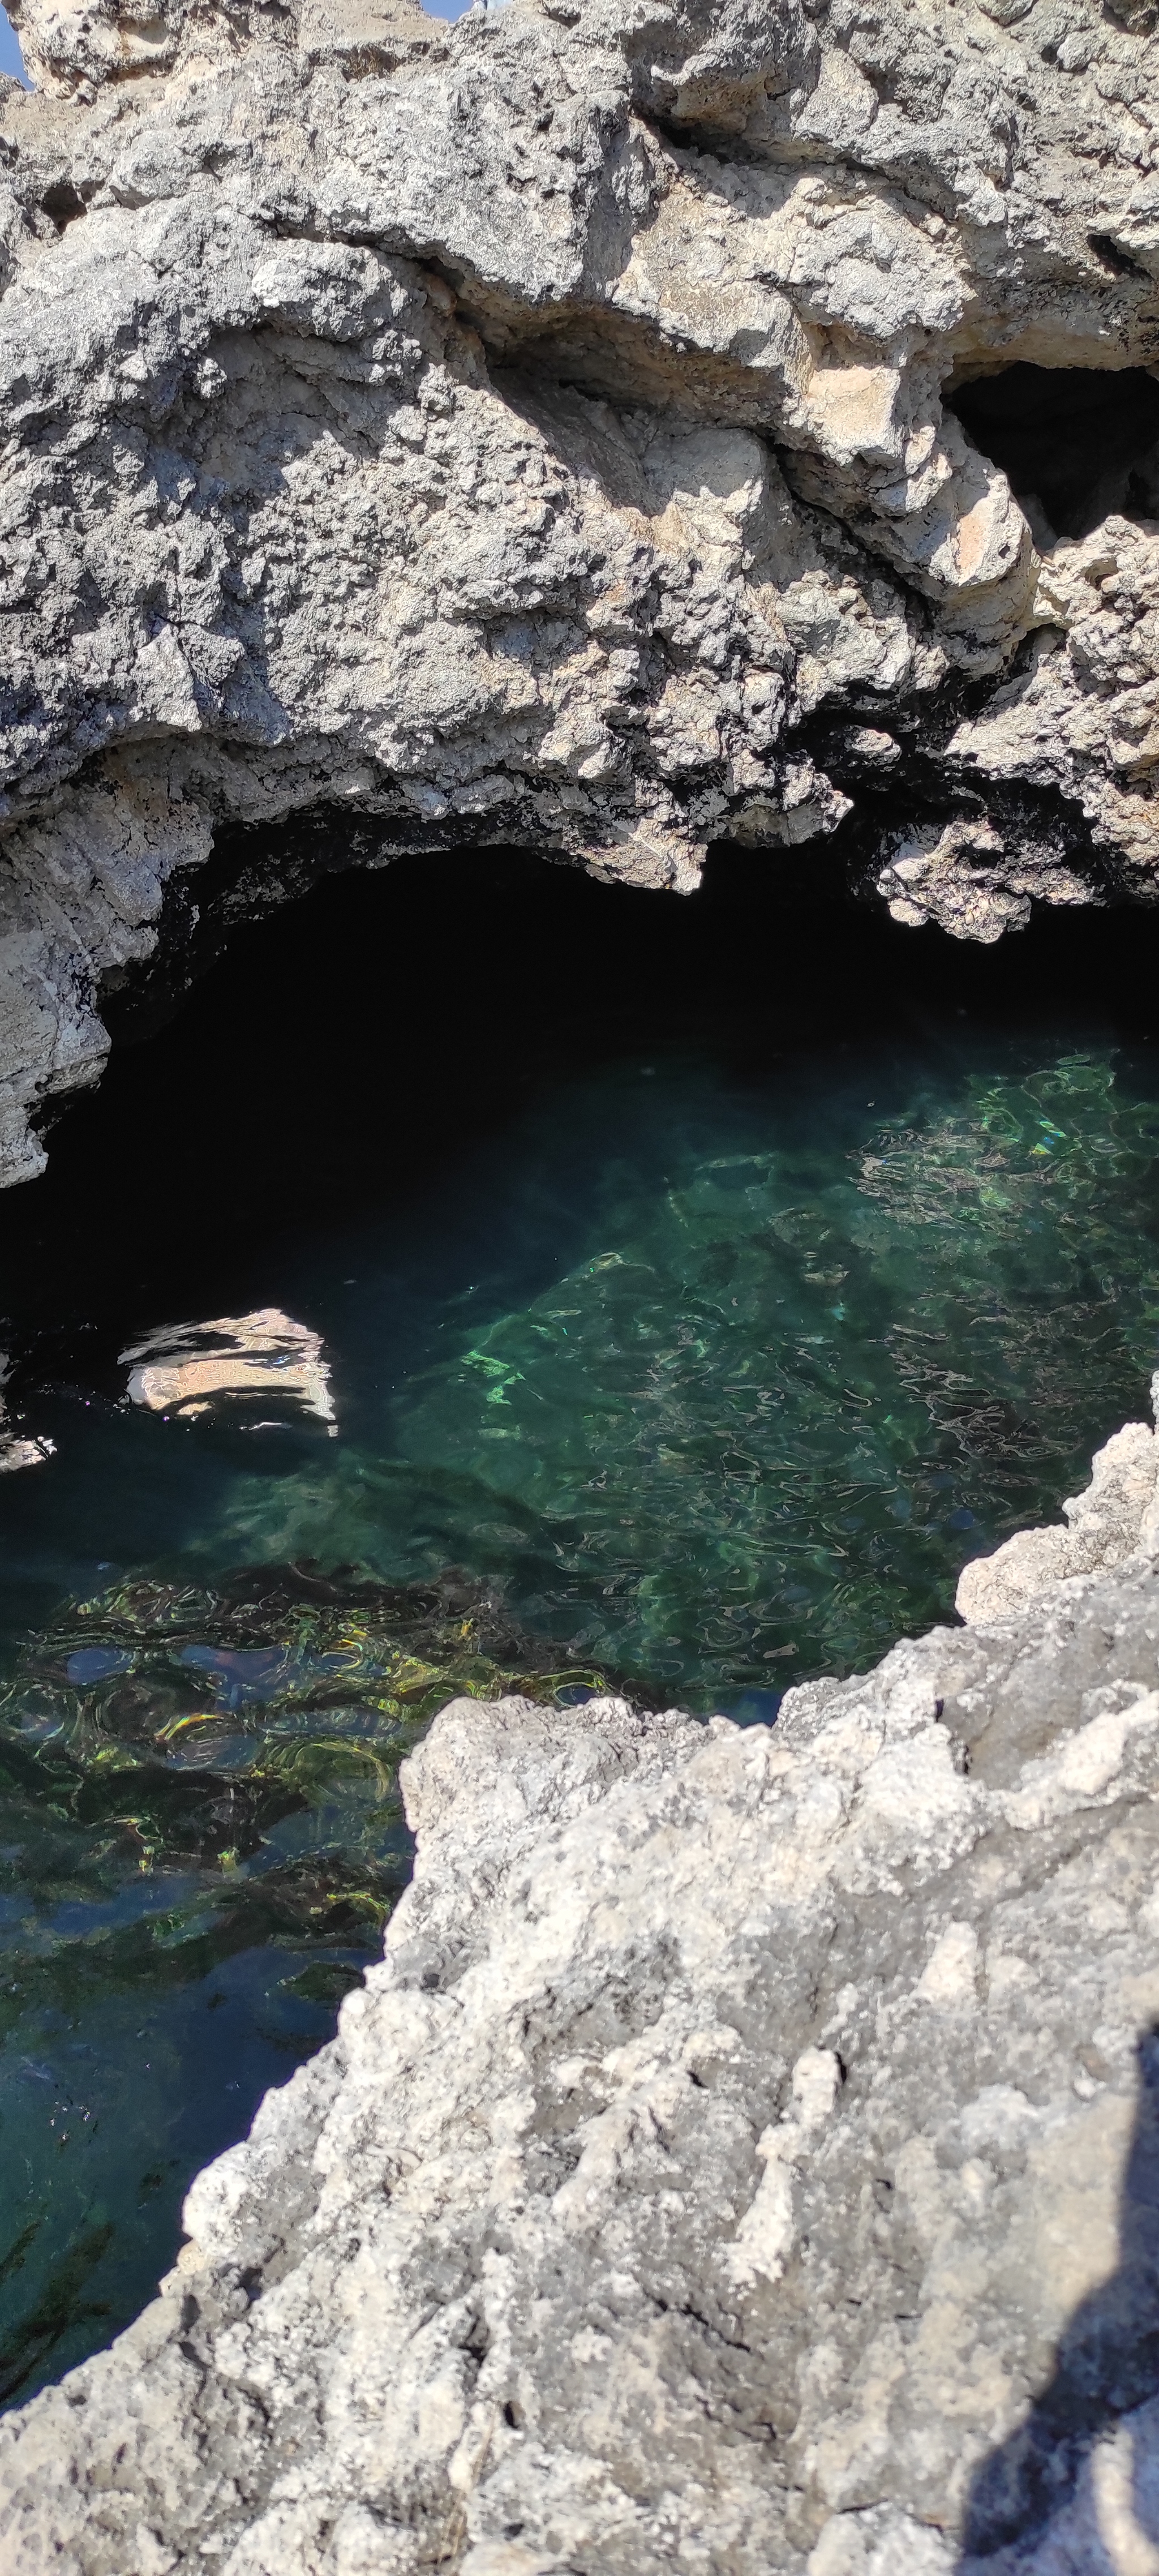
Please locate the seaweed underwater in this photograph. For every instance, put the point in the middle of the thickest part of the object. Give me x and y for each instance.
(704, 1378)
(192, 1776)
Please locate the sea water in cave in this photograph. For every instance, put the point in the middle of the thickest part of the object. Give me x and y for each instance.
(494, 1279)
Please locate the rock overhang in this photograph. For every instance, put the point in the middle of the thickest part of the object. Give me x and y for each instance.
(555, 428)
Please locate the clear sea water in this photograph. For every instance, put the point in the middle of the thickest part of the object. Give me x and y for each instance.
(701, 1285)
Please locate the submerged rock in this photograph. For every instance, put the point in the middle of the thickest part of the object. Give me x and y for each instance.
(16, 1452)
(597, 431)
(182, 1368)
(171, 1724)
(746, 2157)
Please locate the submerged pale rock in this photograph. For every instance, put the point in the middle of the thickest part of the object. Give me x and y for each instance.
(579, 428)
(746, 2158)
(15, 1451)
(184, 1368)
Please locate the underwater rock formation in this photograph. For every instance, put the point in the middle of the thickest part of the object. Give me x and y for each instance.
(608, 430)
(183, 1368)
(746, 2157)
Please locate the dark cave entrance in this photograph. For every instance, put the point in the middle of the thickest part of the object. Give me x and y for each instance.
(426, 1001)
(1074, 441)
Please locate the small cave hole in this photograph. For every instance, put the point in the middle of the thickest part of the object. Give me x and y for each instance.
(1074, 442)
(1114, 257)
(62, 203)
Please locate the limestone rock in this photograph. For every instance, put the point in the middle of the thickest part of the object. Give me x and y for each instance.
(746, 2158)
(16, 1452)
(569, 428)
(184, 1369)
(1115, 1520)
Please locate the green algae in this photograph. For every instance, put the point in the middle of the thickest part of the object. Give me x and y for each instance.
(180, 1722)
(194, 1776)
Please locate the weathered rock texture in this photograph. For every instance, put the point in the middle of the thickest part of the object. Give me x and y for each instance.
(1115, 1520)
(540, 430)
(745, 2160)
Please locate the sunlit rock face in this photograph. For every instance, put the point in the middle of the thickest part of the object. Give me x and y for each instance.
(745, 2157)
(606, 430)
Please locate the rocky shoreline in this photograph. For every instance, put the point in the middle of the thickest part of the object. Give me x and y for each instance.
(744, 2159)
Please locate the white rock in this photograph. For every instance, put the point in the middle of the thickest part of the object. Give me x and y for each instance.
(745, 2158)
(1115, 1519)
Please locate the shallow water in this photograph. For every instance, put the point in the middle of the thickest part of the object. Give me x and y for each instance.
(706, 1332)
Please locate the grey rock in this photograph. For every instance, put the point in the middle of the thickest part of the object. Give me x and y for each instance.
(538, 430)
(745, 2159)
(1111, 1524)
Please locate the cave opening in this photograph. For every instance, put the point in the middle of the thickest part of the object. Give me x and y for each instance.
(656, 1291)
(1075, 443)
(430, 999)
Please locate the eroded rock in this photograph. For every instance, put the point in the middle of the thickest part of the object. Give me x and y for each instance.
(746, 2158)
(1113, 1522)
(569, 428)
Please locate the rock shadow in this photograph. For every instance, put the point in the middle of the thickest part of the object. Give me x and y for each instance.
(1107, 2363)
(1076, 442)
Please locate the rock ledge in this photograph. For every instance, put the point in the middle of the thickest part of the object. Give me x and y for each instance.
(745, 2158)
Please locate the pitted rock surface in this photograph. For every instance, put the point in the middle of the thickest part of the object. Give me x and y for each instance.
(745, 2159)
(542, 430)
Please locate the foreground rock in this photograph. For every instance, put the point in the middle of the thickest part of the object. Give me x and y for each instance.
(745, 2160)
(581, 428)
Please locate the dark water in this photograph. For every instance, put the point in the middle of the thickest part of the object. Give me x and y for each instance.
(702, 1283)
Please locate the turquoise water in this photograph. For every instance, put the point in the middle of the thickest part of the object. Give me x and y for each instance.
(704, 1367)
(735, 1403)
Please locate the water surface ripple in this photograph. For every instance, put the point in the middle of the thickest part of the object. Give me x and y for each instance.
(696, 1364)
